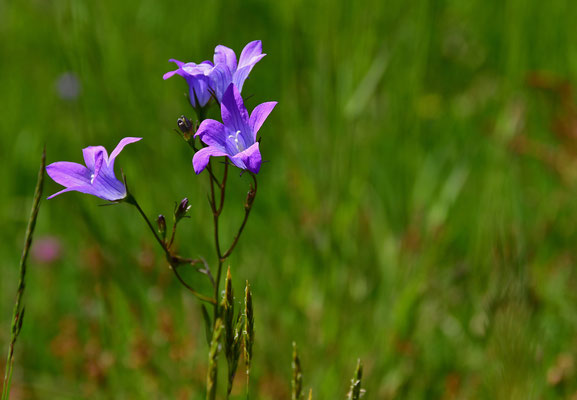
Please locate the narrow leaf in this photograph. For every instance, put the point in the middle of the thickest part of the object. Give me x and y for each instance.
(297, 380)
(355, 393)
(212, 372)
(207, 324)
(18, 314)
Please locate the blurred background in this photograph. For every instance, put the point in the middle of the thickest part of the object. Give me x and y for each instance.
(418, 210)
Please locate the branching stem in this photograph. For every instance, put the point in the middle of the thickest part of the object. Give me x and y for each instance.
(173, 260)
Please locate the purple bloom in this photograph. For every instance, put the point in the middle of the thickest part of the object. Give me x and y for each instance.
(236, 137)
(197, 77)
(207, 78)
(250, 55)
(96, 178)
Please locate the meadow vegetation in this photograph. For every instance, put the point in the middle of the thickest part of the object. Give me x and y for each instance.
(417, 210)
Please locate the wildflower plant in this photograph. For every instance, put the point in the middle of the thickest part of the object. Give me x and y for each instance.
(233, 141)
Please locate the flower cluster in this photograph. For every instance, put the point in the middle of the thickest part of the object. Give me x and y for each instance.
(211, 79)
(223, 80)
(235, 137)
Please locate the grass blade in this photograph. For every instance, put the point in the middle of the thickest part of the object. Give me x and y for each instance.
(356, 392)
(18, 314)
(297, 380)
(213, 360)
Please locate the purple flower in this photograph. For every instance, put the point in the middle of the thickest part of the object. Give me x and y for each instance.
(96, 178)
(250, 55)
(197, 77)
(207, 78)
(236, 138)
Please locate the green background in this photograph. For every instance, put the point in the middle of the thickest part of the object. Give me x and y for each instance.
(418, 210)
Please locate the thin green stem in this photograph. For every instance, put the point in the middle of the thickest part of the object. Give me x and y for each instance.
(223, 188)
(172, 235)
(247, 209)
(18, 314)
(215, 216)
(173, 260)
(131, 200)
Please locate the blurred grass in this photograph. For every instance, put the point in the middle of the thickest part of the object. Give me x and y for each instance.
(396, 221)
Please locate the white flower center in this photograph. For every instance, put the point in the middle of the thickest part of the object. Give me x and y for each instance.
(238, 144)
(92, 178)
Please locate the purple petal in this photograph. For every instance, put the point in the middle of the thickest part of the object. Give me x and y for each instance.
(70, 189)
(234, 114)
(223, 54)
(259, 115)
(199, 86)
(106, 186)
(249, 53)
(69, 174)
(178, 63)
(105, 194)
(99, 162)
(249, 159)
(91, 154)
(119, 147)
(242, 73)
(213, 133)
(221, 78)
(192, 69)
(170, 74)
(202, 157)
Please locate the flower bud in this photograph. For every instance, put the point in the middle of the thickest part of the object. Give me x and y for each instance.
(182, 209)
(249, 198)
(161, 222)
(185, 126)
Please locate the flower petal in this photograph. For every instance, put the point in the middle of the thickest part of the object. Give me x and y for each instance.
(251, 54)
(259, 115)
(251, 51)
(242, 73)
(176, 71)
(119, 147)
(225, 55)
(91, 155)
(178, 63)
(70, 189)
(199, 86)
(202, 157)
(213, 133)
(87, 189)
(221, 78)
(234, 114)
(107, 187)
(170, 74)
(69, 174)
(250, 159)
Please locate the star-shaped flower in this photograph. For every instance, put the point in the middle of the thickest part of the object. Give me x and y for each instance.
(236, 136)
(96, 178)
(208, 78)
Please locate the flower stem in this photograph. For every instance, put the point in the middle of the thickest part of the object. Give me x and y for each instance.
(18, 314)
(131, 200)
(173, 260)
(247, 209)
(215, 216)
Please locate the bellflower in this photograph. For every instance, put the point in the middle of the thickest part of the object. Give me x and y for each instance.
(236, 136)
(198, 78)
(96, 178)
(235, 72)
(207, 78)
